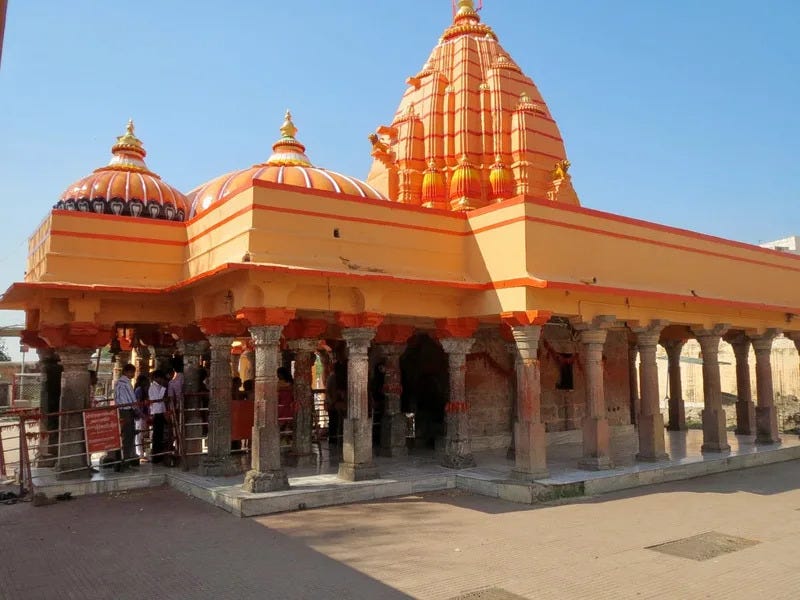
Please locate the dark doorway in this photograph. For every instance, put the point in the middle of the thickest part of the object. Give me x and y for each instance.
(425, 388)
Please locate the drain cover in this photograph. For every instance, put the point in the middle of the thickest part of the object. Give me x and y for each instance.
(704, 546)
(489, 594)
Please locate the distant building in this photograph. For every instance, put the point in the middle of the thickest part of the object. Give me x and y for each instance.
(790, 244)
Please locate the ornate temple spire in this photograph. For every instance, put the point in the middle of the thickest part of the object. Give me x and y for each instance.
(287, 150)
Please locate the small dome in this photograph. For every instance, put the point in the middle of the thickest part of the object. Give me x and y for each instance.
(125, 187)
(289, 166)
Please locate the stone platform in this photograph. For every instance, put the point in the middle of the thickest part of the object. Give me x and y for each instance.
(319, 486)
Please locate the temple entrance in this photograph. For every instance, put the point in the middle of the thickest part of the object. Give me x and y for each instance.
(425, 380)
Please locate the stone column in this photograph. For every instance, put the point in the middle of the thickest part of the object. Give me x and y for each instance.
(122, 358)
(677, 408)
(218, 462)
(193, 417)
(766, 412)
(266, 473)
(745, 409)
(633, 381)
(72, 457)
(163, 357)
(458, 448)
(50, 372)
(715, 434)
(530, 460)
(651, 422)
(393, 426)
(511, 453)
(596, 432)
(143, 361)
(304, 358)
(357, 463)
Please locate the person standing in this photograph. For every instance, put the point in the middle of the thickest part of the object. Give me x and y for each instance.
(125, 400)
(140, 391)
(158, 412)
(175, 401)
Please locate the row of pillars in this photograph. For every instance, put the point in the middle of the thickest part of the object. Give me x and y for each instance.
(531, 457)
(267, 474)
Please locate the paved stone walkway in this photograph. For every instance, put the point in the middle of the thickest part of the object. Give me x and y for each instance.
(440, 545)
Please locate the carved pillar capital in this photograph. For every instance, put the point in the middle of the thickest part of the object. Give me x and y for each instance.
(526, 341)
(358, 340)
(266, 335)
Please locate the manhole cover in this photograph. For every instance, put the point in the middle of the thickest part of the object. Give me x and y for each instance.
(489, 594)
(704, 546)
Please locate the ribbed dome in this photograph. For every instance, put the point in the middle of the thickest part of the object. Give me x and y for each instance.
(125, 187)
(289, 166)
(470, 104)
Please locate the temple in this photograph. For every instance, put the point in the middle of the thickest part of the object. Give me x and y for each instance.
(500, 309)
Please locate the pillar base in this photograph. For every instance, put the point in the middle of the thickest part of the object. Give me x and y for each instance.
(358, 472)
(651, 438)
(530, 452)
(393, 435)
(520, 475)
(745, 418)
(715, 434)
(715, 447)
(257, 482)
(595, 463)
(219, 467)
(767, 425)
(84, 473)
(678, 427)
(458, 461)
(46, 461)
(596, 444)
(308, 459)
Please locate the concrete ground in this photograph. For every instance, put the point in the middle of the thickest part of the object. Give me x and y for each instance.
(439, 545)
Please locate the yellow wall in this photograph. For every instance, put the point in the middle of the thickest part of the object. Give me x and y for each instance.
(403, 261)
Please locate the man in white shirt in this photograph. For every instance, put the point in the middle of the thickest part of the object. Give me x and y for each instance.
(125, 400)
(158, 410)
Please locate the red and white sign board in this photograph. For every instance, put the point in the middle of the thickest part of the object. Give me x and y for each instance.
(102, 430)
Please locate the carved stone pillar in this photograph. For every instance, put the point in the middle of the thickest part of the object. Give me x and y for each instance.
(596, 432)
(766, 412)
(142, 360)
(745, 409)
(304, 358)
(458, 448)
(715, 434)
(193, 417)
(651, 422)
(266, 473)
(677, 408)
(218, 462)
(163, 357)
(633, 382)
(390, 341)
(72, 458)
(50, 372)
(357, 463)
(529, 431)
(394, 426)
(122, 358)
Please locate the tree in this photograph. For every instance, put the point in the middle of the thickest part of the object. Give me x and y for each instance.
(4, 357)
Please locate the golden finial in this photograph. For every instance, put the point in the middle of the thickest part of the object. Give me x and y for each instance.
(465, 7)
(288, 129)
(128, 141)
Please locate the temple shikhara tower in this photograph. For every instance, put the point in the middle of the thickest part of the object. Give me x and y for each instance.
(459, 300)
(471, 130)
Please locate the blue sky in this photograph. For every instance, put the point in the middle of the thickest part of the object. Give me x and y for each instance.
(679, 112)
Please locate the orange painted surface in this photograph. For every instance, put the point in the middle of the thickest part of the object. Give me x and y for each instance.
(476, 222)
